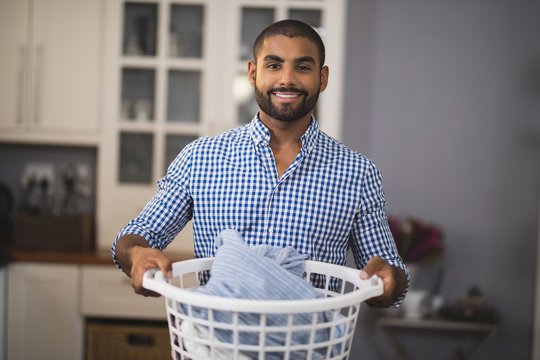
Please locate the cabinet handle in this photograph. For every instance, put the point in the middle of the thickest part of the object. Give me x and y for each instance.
(143, 340)
(21, 81)
(38, 84)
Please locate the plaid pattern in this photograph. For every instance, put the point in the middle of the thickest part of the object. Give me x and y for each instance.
(328, 201)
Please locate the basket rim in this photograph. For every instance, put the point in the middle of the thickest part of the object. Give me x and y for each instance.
(156, 281)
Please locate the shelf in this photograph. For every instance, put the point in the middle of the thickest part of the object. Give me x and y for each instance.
(474, 335)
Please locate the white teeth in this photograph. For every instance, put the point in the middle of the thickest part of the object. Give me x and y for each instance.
(286, 96)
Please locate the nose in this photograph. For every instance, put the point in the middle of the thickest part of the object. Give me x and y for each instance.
(287, 76)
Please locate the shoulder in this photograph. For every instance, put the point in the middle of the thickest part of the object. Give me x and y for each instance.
(223, 140)
(334, 151)
(213, 149)
(207, 152)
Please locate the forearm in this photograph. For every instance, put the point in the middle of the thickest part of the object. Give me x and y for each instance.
(135, 256)
(124, 246)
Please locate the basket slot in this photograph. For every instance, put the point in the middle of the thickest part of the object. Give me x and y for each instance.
(330, 286)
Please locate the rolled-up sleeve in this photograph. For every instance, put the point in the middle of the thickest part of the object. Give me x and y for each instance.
(168, 211)
(371, 235)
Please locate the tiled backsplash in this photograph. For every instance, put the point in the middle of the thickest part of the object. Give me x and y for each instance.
(51, 179)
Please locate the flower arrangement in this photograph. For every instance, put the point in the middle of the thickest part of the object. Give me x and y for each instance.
(417, 241)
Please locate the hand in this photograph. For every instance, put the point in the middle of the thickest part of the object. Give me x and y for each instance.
(394, 281)
(143, 259)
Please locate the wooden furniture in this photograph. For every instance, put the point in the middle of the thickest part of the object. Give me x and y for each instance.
(474, 335)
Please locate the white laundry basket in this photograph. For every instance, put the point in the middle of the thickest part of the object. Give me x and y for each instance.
(320, 328)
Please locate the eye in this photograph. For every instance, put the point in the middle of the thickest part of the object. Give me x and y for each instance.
(303, 67)
(273, 66)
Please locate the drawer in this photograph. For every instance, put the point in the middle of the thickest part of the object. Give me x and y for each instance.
(127, 340)
(107, 292)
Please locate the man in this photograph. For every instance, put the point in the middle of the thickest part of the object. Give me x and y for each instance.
(279, 181)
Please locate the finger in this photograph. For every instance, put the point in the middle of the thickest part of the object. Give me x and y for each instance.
(165, 266)
(137, 284)
(158, 260)
(137, 276)
(374, 264)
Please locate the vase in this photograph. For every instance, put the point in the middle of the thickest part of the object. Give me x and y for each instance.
(424, 294)
(414, 304)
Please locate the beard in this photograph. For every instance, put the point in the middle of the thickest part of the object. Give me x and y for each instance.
(286, 112)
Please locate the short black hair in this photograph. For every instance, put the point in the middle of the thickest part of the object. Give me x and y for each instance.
(290, 28)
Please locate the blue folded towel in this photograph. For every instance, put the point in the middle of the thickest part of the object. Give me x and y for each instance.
(264, 273)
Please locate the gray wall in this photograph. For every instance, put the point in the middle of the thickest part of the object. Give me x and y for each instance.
(444, 96)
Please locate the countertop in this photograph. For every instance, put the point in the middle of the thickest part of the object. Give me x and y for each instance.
(98, 257)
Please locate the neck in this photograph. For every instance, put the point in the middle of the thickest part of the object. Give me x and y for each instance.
(285, 133)
(285, 140)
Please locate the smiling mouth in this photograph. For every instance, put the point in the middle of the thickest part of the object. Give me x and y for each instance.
(287, 94)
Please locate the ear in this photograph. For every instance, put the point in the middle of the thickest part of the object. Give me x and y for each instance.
(324, 78)
(252, 72)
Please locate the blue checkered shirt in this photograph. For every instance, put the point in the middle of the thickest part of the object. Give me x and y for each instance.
(328, 201)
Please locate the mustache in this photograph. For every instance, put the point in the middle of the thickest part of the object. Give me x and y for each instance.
(287, 89)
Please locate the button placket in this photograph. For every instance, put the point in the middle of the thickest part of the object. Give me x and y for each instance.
(269, 226)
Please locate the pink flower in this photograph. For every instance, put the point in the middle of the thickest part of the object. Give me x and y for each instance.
(417, 241)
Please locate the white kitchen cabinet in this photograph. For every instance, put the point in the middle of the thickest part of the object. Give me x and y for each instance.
(176, 70)
(51, 70)
(107, 293)
(43, 320)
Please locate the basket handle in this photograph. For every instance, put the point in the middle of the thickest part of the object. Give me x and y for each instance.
(374, 287)
(154, 280)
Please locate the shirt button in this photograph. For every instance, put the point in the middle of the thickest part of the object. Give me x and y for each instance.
(270, 230)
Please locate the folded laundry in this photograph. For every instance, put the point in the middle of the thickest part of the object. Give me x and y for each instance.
(263, 273)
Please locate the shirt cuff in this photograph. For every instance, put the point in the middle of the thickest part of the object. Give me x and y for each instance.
(401, 265)
(135, 230)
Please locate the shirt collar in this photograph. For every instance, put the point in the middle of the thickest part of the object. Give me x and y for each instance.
(260, 135)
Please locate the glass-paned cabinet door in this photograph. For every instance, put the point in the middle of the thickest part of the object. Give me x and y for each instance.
(138, 95)
(186, 31)
(254, 20)
(136, 154)
(183, 96)
(140, 29)
(312, 17)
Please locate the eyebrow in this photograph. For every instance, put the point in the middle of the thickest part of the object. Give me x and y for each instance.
(299, 60)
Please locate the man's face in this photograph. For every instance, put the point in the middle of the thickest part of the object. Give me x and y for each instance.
(287, 78)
